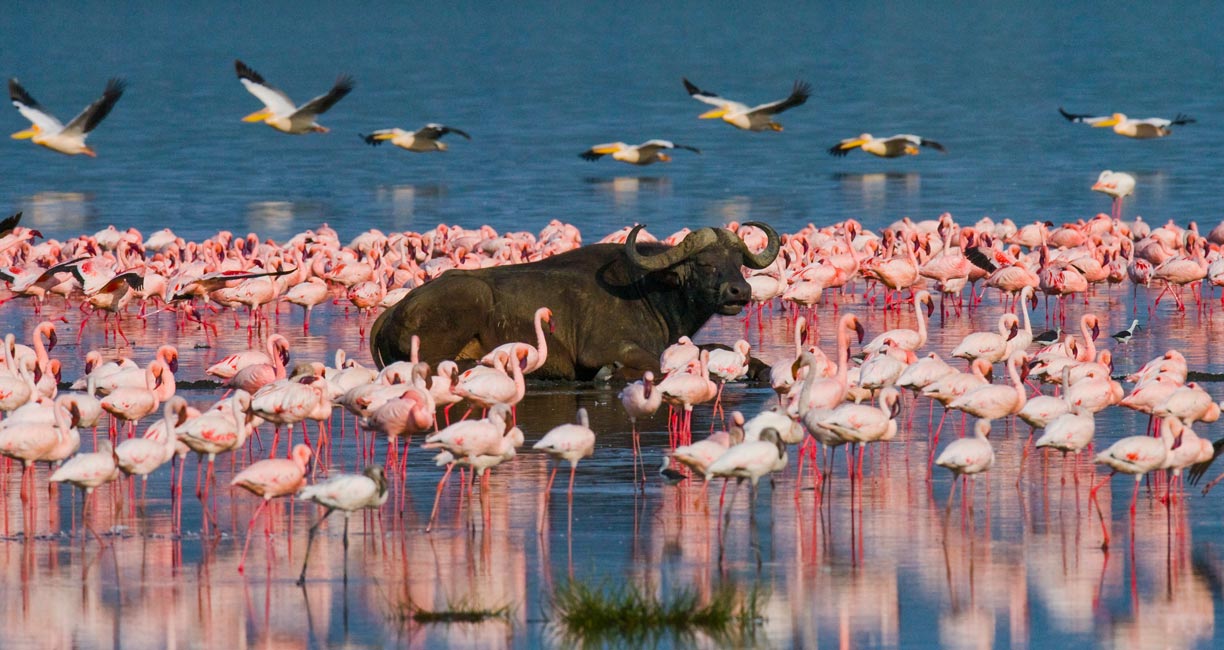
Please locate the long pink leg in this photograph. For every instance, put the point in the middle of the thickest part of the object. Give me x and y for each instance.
(250, 525)
(438, 496)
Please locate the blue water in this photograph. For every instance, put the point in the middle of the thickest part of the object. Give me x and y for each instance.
(535, 85)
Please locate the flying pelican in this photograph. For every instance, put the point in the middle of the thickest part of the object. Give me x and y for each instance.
(1116, 184)
(892, 147)
(1152, 127)
(279, 111)
(427, 138)
(47, 131)
(647, 153)
(756, 118)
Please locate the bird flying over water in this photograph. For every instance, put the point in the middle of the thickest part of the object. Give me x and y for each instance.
(892, 147)
(756, 118)
(646, 153)
(1152, 127)
(279, 111)
(47, 131)
(427, 138)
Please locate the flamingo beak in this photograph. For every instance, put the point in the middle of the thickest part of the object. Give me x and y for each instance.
(858, 329)
(647, 389)
(930, 305)
(174, 364)
(51, 339)
(1096, 330)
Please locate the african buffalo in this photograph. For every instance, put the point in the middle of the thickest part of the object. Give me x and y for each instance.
(614, 306)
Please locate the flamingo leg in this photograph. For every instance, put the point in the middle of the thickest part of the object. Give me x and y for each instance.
(251, 524)
(438, 496)
(310, 541)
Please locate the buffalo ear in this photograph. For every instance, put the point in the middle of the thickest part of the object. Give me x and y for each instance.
(668, 278)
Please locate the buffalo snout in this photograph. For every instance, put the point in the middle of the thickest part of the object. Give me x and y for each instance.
(733, 296)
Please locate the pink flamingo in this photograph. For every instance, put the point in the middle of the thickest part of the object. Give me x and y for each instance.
(255, 376)
(347, 493)
(291, 401)
(308, 294)
(685, 389)
(640, 400)
(535, 355)
(993, 401)
(968, 456)
(569, 442)
(1134, 455)
(470, 439)
(88, 472)
(907, 339)
(141, 456)
(862, 423)
(488, 388)
(31, 438)
(678, 355)
(699, 455)
(130, 404)
(230, 365)
(214, 432)
(728, 365)
(271, 478)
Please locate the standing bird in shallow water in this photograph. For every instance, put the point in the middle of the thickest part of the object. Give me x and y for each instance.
(890, 147)
(1125, 335)
(271, 478)
(571, 442)
(640, 400)
(968, 456)
(47, 131)
(347, 492)
(424, 140)
(1134, 455)
(1152, 127)
(88, 471)
(741, 116)
(1117, 185)
(647, 153)
(280, 113)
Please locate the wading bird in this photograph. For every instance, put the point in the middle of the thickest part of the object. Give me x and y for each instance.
(347, 492)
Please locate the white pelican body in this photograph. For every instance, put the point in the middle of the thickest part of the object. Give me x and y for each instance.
(424, 140)
(647, 153)
(903, 144)
(279, 111)
(1152, 127)
(741, 116)
(47, 131)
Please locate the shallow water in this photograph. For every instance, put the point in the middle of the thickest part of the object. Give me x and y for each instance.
(879, 563)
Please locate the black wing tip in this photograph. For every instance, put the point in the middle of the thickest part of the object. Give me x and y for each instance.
(18, 93)
(459, 132)
(685, 146)
(981, 260)
(694, 90)
(115, 87)
(1071, 117)
(837, 151)
(344, 84)
(933, 144)
(590, 155)
(1183, 119)
(370, 139)
(802, 89)
(10, 223)
(246, 72)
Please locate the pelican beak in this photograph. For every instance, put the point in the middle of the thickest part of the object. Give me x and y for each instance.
(26, 134)
(850, 145)
(712, 114)
(89, 152)
(1109, 122)
(258, 116)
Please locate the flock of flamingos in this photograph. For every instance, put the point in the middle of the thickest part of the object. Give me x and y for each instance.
(843, 396)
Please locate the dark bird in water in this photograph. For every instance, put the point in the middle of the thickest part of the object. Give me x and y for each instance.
(1048, 337)
(670, 476)
(1125, 335)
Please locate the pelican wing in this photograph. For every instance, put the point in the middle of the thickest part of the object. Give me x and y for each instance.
(713, 99)
(320, 104)
(919, 141)
(275, 99)
(799, 94)
(93, 114)
(1082, 118)
(434, 131)
(32, 110)
(9, 224)
(665, 144)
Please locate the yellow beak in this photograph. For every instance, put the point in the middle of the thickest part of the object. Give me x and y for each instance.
(384, 136)
(26, 134)
(852, 144)
(1110, 122)
(258, 116)
(716, 113)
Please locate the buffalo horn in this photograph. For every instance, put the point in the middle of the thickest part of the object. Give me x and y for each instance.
(765, 257)
(695, 241)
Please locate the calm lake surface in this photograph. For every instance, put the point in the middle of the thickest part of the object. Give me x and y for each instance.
(879, 565)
